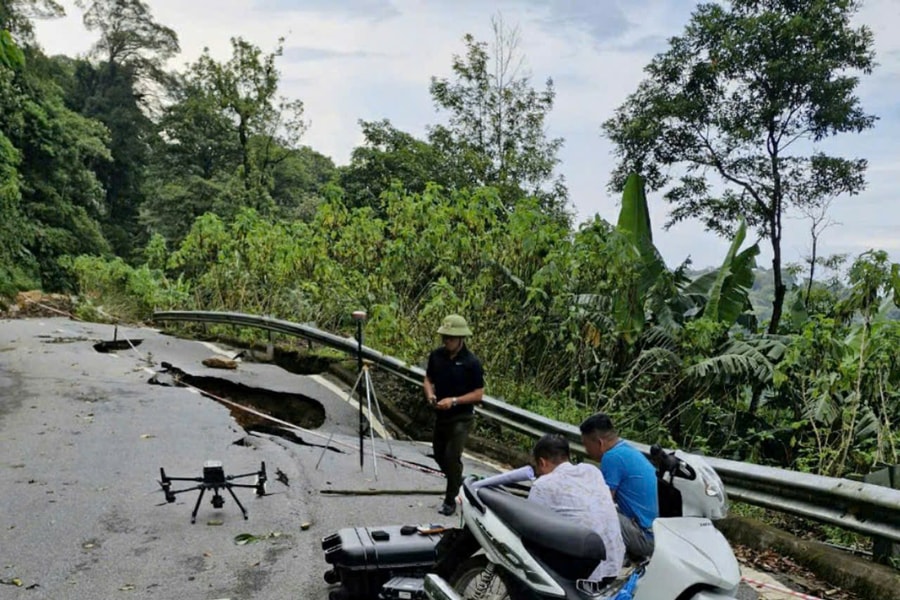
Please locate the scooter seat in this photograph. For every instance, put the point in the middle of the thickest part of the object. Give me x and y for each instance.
(544, 527)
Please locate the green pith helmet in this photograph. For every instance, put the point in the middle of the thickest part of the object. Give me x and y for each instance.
(454, 326)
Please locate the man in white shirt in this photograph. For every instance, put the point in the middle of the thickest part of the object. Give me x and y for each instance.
(578, 492)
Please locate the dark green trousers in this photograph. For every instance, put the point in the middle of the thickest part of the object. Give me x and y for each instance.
(448, 443)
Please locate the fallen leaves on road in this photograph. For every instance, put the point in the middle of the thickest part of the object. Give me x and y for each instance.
(790, 573)
(243, 539)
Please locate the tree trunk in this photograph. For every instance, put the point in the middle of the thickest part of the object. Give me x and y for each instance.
(245, 150)
(775, 233)
(780, 289)
(812, 267)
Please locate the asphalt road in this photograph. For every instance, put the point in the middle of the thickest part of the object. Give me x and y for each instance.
(82, 439)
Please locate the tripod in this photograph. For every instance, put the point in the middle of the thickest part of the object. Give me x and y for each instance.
(214, 478)
(364, 377)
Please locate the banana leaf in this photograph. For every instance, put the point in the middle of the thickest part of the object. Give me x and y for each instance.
(634, 217)
(727, 289)
(634, 224)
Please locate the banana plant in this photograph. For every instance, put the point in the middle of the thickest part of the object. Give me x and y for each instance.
(722, 295)
(725, 292)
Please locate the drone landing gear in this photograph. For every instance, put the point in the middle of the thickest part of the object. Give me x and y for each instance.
(214, 479)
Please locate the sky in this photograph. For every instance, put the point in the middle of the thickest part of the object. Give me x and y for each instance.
(373, 59)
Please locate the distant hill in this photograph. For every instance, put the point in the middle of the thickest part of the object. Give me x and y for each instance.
(762, 294)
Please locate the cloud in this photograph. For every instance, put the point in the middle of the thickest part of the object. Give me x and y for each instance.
(366, 10)
(601, 19)
(309, 53)
(648, 44)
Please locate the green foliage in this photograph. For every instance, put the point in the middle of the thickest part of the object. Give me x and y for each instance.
(727, 100)
(11, 56)
(50, 197)
(728, 291)
(496, 132)
(840, 374)
(106, 92)
(299, 182)
(16, 17)
(634, 224)
(229, 141)
(16, 265)
(245, 89)
(390, 156)
(118, 291)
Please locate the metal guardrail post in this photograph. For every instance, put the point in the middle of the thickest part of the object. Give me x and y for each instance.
(885, 551)
(865, 508)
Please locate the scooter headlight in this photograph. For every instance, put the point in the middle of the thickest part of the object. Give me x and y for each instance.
(713, 486)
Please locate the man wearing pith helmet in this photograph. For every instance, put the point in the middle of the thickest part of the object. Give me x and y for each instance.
(454, 384)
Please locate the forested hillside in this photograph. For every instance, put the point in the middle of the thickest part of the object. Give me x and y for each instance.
(138, 188)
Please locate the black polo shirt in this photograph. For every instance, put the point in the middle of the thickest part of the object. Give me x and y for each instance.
(454, 377)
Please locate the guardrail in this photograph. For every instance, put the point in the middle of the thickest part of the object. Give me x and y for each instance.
(861, 507)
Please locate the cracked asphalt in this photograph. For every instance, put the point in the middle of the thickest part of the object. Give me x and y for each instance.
(82, 439)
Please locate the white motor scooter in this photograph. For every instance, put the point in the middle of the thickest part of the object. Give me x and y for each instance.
(509, 547)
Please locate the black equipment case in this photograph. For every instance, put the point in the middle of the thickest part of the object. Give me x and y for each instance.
(363, 559)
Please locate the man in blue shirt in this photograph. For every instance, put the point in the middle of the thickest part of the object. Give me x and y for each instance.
(631, 479)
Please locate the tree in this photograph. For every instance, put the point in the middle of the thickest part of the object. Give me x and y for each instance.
(389, 155)
(246, 88)
(59, 151)
(496, 131)
(738, 105)
(16, 17)
(110, 96)
(129, 36)
(299, 182)
(229, 141)
(819, 221)
(11, 246)
(118, 88)
(191, 161)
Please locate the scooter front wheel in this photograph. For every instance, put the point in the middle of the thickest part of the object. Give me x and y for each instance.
(475, 579)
